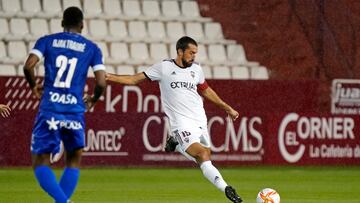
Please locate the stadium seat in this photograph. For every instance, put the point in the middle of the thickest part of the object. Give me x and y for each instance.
(117, 31)
(172, 51)
(137, 30)
(170, 10)
(30, 8)
(217, 53)
(30, 45)
(207, 71)
(3, 54)
(174, 30)
(213, 31)
(55, 25)
(151, 9)
(125, 70)
(104, 49)
(17, 51)
(190, 9)
(194, 30)
(221, 72)
(158, 52)
(201, 56)
(139, 53)
(112, 9)
(7, 70)
(141, 68)
(156, 31)
(240, 73)
(110, 69)
(51, 9)
(38, 28)
(236, 55)
(18, 29)
(131, 9)
(92, 8)
(69, 3)
(259, 73)
(4, 27)
(10, 8)
(98, 29)
(119, 53)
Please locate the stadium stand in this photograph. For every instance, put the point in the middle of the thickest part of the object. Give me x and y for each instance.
(132, 34)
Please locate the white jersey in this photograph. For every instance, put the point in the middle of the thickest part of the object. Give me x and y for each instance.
(178, 87)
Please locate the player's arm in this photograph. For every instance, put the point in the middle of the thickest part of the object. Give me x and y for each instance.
(98, 90)
(126, 79)
(29, 67)
(211, 95)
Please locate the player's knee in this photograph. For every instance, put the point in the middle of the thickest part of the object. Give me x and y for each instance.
(202, 156)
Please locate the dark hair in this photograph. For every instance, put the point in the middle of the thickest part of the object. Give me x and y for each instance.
(184, 42)
(72, 17)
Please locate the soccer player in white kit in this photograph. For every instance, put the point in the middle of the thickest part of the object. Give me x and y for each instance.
(180, 80)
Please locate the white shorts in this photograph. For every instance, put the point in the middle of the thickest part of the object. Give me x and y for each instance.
(187, 136)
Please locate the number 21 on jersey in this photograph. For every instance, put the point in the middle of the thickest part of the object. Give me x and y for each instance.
(62, 62)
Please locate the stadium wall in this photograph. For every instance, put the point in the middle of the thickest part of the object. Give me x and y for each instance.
(278, 125)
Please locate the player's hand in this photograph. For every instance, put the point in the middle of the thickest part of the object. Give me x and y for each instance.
(38, 90)
(233, 114)
(5, 110)
(89, 102)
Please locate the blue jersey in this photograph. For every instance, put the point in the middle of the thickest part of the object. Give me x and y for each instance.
(67, 58)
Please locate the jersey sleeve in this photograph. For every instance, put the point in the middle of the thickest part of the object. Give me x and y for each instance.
(97, 62)
(154, 72)
(202, 85)
(39, 47)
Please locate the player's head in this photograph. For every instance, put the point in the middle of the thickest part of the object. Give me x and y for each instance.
(186, 49)
(72, 19)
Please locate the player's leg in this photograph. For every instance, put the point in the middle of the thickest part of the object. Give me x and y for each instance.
(74, 143)
(71, 173)
(44, 141)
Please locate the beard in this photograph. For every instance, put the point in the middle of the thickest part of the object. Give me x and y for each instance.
(186, 63)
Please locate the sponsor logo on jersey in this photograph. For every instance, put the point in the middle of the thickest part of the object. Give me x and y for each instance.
(192, 73)
(67, 124)
(186, 85)
(62, 98)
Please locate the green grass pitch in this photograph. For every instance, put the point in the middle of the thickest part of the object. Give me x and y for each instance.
(154, 185)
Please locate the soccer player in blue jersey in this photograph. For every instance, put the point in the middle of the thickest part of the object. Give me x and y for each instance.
(67, 57)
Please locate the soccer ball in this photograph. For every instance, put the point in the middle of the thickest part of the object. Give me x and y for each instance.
(268, 195)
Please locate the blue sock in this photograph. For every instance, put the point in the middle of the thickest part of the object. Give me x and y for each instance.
(69, 180)
(47, 181)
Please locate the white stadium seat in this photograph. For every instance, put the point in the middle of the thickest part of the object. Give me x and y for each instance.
(110, 69)
(151, 9)
(170, 10)
(7, 70)
(131, 9)
(190, 9)
(30, 8)
(38, 27)
(98, 29)
(221, 72)
(240, 73)
(201, 56)
(175, 30)
(173, 52)
(259, 73)
(4, 27)
(112, 8)
(217, 53)
(119, 52)
(10, 8)
(137, 30)
(213, 31)
(17, 51)
(55, 25)
(142, 68)
(69, 3)
(158, 52)
(139, 53)
(104, 49)
(156, 30)
(51, 8)
(207, 71)
(92, 8)
(117, 30)
(18, 29)
(125, 70)
(3, 54)
(194, 30)
(236, 55)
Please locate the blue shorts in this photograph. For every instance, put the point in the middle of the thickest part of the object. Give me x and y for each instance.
(50, 128)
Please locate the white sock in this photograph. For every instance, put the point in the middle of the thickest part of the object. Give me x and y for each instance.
(213, 175)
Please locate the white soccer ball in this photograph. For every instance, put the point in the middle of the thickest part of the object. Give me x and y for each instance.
(268, 195)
